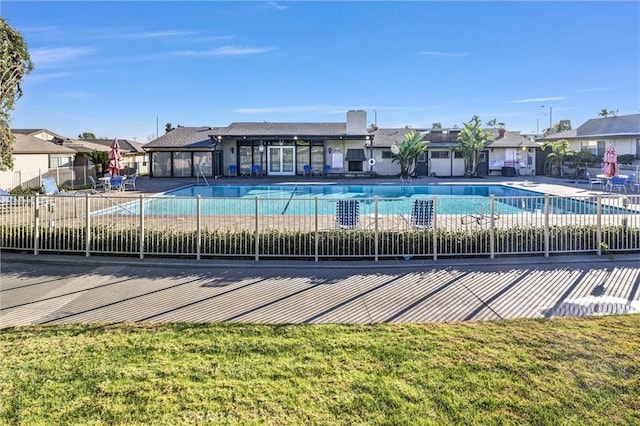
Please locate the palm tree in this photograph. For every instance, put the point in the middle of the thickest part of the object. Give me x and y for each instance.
(471, 141)
(559, 151)
(407, 151)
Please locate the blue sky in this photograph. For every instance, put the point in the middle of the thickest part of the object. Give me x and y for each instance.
(117, 68)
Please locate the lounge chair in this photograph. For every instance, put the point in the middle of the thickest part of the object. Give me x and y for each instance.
(347, 214)
(306, 170)
(255, 170)
(130, 182)
(50, 187)
(233, 170)
(421, 216)
(94, 184)
(593, 181)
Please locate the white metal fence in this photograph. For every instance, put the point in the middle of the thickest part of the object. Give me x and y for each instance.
(307, 228)
(72, 177)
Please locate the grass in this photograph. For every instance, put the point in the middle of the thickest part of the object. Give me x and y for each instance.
(563, 371)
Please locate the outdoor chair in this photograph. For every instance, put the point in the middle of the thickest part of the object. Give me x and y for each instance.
(630, 181)
(7, 200)
(94, 184)
(480, 214)
(306, 170)
(233, 170)
(50, 187)
(593, 181)
(255, 170)
(421, 216)
(617, 182)
(327, 169)
(116, 183)
(130, 182)
(347, 214)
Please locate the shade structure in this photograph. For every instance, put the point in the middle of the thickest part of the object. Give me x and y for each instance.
(610, 161)
(114, 158)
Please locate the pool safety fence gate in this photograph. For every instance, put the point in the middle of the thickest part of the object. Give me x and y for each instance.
(314, 228)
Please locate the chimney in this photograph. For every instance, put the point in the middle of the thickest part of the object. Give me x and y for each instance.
(500, 133)
(356, 122)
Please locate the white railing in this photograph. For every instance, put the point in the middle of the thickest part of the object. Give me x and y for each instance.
(306, 228)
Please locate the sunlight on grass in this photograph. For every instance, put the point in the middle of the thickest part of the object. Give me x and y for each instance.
(572, 371)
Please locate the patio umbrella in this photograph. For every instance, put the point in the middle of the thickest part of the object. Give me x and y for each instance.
(610, 161)
(114, 158)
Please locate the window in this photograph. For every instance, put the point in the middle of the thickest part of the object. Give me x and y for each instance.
(595, 147)
(387, 153)
(161, 164)
(57, 162)
(182, 164)
(458, 154)
(439, 154)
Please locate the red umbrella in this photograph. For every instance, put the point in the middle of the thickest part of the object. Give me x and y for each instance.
(114, 158)
(610, 161)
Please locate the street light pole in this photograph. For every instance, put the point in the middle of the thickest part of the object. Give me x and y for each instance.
(550, 118)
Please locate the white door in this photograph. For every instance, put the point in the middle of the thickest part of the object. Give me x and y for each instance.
(281, 160)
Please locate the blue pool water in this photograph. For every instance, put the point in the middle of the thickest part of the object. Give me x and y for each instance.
(392, 199)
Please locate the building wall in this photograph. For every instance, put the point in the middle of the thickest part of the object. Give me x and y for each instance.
(30, 161)
(623, 145)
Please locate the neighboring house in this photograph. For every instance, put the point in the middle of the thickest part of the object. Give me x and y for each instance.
(34, 157)
(511, 149)
(133, 156)
(38, 150)
(595, 134)
(273, 149)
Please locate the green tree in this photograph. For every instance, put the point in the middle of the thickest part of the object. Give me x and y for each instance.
(560, 150)
(472, 139)
(436, 125)
(100, 159)
(407, 152)
(15, 63)
(87, 136)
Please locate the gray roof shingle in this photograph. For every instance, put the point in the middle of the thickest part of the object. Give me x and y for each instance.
(611, 126)
(26, 144)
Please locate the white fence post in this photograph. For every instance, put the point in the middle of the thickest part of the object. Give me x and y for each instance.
(546, 225)
(317, 234)
(199, 228)
(257, 234)
(599, 224)
(141, 226)
(375, 232)
(87, 225)
(435, 229)
(492, 227)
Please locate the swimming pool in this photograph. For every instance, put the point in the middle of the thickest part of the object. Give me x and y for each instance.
(296, 199)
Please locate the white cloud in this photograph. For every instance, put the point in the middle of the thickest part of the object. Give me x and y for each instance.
(224, 51)
(277, 6)
(155, 34)
(529, 100)
(266, 110)
(595, 89)
(443, 54)
(49, 57)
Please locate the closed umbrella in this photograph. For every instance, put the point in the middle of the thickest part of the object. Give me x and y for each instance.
(114, 158)
(610, 161)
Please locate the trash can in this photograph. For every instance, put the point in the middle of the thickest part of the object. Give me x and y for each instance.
(508, 171)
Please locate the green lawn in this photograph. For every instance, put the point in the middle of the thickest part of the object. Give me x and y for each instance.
(563, 371)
